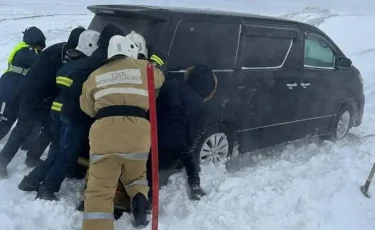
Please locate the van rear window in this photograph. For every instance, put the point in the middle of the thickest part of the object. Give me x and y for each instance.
(208, 43)
(126, 24)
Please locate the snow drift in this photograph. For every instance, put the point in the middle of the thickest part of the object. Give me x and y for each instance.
(309, 184)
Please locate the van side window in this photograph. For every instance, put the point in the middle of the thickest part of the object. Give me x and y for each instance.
(264, 48)
(209, 43)
(318, 53)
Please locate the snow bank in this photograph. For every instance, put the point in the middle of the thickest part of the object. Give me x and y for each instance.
(307, 185)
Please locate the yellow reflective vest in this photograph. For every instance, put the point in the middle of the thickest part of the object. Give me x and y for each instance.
(16, 69)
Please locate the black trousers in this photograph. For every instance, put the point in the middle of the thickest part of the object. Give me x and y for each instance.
(27, 119)
(8, 116)
(43, 140)
(31, 139)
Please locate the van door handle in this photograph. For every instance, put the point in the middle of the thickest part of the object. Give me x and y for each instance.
(291, 85)
(305, 84)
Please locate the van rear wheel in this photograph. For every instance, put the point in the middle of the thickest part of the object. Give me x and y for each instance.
(214, 144)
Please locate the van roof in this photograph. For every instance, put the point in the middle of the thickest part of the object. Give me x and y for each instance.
(160, 12)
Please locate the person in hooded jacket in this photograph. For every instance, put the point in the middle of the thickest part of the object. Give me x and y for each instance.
(67, 117)
(36, 96)
(19, 62)
(180, 114)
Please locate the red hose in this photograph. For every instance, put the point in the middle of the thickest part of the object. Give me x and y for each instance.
(154, 146)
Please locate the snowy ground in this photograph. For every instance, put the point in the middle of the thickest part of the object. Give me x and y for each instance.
(307, 185)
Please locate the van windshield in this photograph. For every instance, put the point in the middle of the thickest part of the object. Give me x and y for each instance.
(145, 26)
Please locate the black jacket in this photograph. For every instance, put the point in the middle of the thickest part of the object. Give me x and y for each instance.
(76, 72)
(180, 114)
(40, 84)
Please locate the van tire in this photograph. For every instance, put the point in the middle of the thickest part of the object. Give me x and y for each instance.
(222, 138)
(341, 123)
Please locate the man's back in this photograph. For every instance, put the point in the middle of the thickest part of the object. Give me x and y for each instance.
(179, 110)
(120, 82)
(41, 75)
(77, 71)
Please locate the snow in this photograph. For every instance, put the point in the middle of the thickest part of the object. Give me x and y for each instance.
(306, 185)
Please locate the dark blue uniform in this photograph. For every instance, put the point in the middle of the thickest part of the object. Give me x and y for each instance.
(20, 60)
(73, 124)
(10, 83)
(36, 96)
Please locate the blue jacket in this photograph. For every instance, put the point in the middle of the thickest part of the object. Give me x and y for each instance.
(69, 80)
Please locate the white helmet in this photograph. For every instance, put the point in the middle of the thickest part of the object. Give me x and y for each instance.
(140, 41)
(120, 45)
(88, 42)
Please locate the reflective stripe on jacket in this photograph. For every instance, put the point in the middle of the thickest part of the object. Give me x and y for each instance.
(17, 69)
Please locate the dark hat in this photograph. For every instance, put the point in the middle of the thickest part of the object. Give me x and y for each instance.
(74, 37)
(107, 33)
(33, 36)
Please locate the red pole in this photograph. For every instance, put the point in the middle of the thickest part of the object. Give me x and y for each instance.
(154, 146)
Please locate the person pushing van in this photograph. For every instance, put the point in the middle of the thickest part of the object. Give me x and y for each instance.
(116, 95)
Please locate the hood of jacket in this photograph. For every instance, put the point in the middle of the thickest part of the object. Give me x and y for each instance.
(74, 37)
(107, 33)
(202, 80)
(34, 37)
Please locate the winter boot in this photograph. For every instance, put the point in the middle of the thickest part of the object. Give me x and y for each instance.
(28, 185)
(139, 203)
(31, 163)
(45, 194)
(196, 192)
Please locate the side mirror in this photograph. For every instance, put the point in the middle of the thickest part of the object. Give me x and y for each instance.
(344, 63)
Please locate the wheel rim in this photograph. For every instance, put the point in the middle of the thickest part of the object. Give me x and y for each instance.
(215, 149)
(343, 125)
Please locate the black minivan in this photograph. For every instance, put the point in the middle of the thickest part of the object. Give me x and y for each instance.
(278, 80)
